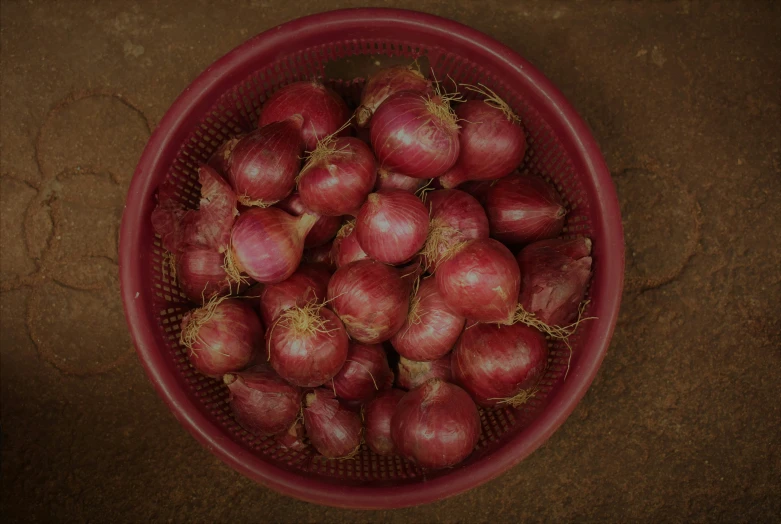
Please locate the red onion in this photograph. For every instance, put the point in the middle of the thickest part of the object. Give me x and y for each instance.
(555, 274)
(412, 374)
(481, 282)
(223, 336)
(337, 176)
(324, 229)
(431, 327)
(308, 284)
(499, 363)
(323, 111)
(365, 372)
(387, 180)
(415, 135)
(346, 248)
(392, 226)
(267, 244)
(372, 299)
(307, 345)
(334, 430)
(377, 418)
(261, 401)
(524, 208)
(263, 165)
(436, 425)
(384, 83)
(293, 438)
(200, 273)
(456, 217)
(492, 142)
(321, 255)
(220, 159)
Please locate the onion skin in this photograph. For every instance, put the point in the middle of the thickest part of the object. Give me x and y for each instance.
(392, 226)
(268, 243)
(377, 416)
(228, 341)
(263, 165)
(412, 374)
(387, 180)
(492, 144)
(308, 284)
(555, 273)
(200, 273)
(523, 209)
(334, 430)
(384, 83)
(431, 328)
(365, 372)
(410, 139)
(436, 425)
(481, 282)
(323, 111)
(293, 438)
(324, 229)
(494, 363)
(220, 159)
(262, 402)
(456, 217)
(372, 299)
(338, 177)
(346, 247)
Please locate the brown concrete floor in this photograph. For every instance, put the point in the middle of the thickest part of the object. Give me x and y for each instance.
(683, 420)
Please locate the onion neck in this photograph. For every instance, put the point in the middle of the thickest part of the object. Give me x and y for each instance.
(305, 224)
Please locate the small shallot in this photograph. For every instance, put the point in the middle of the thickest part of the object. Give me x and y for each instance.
(262, 402)
(200, 273)
(365, 372)
(346, 248)
(377, 417)
(392, 226)
(335, 431)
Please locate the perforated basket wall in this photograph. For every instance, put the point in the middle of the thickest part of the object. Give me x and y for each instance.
(235, 110)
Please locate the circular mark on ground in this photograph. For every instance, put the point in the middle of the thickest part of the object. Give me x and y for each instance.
(661, 222)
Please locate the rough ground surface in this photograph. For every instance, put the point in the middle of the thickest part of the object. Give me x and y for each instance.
(682, 421)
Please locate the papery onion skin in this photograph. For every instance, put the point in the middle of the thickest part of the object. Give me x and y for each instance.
(364, 373)
(321, 255)
(263, 165)
(412, 374)
(524, 208)
(337, 177)
(228, 341)
(303, 355)
(322, 109)
(481, 282)
(456, 217)
(492, 144)
(324, 229)
(268, 243)
(346, 247)
(392, 226)
(293, 438)
(200, 273)
(431, 328)
(436, 425)
(308, 284)
(372, 299)
(388, 180)
(261, 401)
(377, 417)
(494, 363)
(555, 276)
(220, 159)
(334, 430)
(384, 83)
(410, 139)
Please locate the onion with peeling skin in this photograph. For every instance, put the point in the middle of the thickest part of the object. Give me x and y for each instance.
(377, 417)
(387, 180)
(220, 159)
(261, 401)
(392, 226)
(263, 165)
(293, 438)
(555, 275)
(267, 244)
(499, 364)
(386, 82)
(431, 327)
(337, 176)
(365, 372)
(323, 111)
(201, 274)
(335, 431)
(436, 425)
(308, 284)
(481, 282)
(412, 374)
(524, 208)
(346, 247)
(324, 229)
(223, 336)
(307, 345)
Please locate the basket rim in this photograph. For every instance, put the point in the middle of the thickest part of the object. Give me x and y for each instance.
(171, 132)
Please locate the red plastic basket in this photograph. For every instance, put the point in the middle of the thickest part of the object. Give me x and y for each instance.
(226, 100)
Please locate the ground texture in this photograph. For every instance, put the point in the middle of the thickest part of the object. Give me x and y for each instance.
(683, 419)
